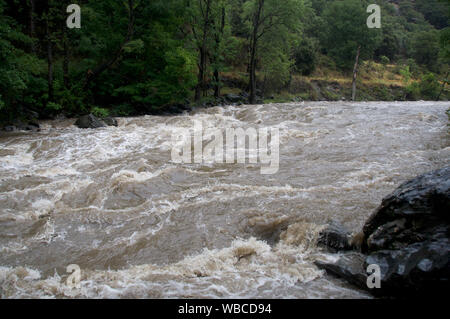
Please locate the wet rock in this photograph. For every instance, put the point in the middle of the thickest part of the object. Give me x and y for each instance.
(335, 237)
(177, 109)
(23, 126)
(89, 121)
(110, 121)
(244, 95)
(350, 267)
(9, 128)
(31, 126)
(60, 117)
(233, 98)
(408, 238)
(32, 114)
(411, 213)
(418, 269)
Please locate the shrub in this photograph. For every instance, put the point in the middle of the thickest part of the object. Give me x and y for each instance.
(100, 112)
(429, 86)
(305, 56)
(413, 91)
(385, 60)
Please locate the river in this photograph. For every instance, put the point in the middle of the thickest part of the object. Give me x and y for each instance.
(139, 225)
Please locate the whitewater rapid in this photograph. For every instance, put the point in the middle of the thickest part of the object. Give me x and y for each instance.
(112, 201)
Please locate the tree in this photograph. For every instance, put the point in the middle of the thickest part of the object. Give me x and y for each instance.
(17, 67)
(266, 19)
(434, 11)
(130, 6)
(425, 48)
(346, 34)
(345, 29)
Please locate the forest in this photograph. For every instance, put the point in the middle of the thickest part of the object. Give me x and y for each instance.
(136, 57)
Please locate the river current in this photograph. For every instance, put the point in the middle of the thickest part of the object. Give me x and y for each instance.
(138, 225)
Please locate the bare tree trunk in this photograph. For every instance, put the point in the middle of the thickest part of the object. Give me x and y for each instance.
(254, 43)
(355, 73)
(32, 24)
(443, 87)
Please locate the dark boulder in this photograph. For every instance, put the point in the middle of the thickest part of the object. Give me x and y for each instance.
(349, 266)
(335, 237)
(110, 121)
(233, 98)
(89, 121)
(31, 126)
(10, 128)
(411, 213)
(408, 238)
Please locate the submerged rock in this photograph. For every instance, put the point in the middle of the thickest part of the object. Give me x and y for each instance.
(21, 126)
(349, 266)
(233, 98)
(335, 237)
(110, 121)
(408, 238)
(10, 128)
(89, 121)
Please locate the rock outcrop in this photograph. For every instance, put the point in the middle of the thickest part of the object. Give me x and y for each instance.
(408, 238)
(32, 126)
(90, 121)
(335, 237)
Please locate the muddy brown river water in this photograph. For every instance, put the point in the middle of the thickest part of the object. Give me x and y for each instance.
(140, 226)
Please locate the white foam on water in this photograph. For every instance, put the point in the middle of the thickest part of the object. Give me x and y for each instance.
(337, 159)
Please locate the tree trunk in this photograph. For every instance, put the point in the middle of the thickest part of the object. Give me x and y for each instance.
(201, 85)
(254, 43)
(216, 69)
(355, 73)
(32, 24)
(443, 87)
(66, 59)
(201, 75)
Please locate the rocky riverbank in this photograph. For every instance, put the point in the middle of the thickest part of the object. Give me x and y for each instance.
(407, 237)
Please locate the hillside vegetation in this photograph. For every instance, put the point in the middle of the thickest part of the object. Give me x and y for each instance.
(148, 57)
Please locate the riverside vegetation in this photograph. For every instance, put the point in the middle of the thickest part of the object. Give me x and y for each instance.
(151, 57)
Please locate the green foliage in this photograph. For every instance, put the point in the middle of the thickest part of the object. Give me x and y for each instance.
(413, 91)
(100, 112)
(17, 68)
(429, 86)
(305, 56)
(425, 48)
(277, 71)
(152, 61)
(345, 28)
(384, 60)
(444, 42)
(434, 11)
(52, 106)
(406, 74)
